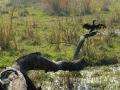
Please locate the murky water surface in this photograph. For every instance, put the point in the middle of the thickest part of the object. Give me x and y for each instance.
(93, 78)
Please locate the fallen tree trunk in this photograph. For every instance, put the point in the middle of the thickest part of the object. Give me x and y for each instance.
(35, 61)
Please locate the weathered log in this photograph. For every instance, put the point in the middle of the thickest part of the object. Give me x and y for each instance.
(30, 84)
(81, 42)
(75, 65)
(1, 85)
(35, 61)
(17, 75)
(12, 79)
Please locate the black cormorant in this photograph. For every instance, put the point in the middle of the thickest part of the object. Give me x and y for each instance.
(93, 26)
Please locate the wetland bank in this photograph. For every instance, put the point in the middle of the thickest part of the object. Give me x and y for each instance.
(91, 78)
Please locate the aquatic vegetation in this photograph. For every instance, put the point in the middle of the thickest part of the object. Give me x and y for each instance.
(92, 78)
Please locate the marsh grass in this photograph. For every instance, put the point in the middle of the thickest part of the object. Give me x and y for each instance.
(57, 36)
(7, 39)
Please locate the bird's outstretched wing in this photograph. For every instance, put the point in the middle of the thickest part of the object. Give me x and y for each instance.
(87, 26)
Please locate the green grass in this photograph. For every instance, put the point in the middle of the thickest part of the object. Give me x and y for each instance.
(6, 59)
(51, 28)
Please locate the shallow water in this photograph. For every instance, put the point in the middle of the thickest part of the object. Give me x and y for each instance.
(92, 78)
